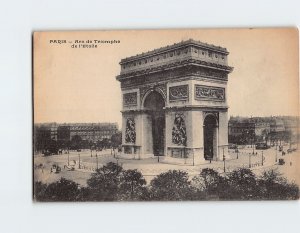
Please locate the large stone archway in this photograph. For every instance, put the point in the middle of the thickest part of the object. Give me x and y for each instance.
(175, 103)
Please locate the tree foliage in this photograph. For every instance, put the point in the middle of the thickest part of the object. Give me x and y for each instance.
(210, 185)
(274, 187)
(170, 186)
(104, 183)
(113, 183)
(61, 190)
(116, 139)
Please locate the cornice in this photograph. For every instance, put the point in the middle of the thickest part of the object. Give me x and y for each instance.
(180, 108)
(177, 64)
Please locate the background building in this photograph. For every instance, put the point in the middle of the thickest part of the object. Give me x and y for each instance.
(245, 130)
(71, 135)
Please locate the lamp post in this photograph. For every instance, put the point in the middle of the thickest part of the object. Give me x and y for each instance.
(91, 152)
(68, 159)
(193, 158)
(249, 160)
(224, 161)
(117, 161)
(276, 157)
(97, 161)
(79, 160)
(237, 153)
(262, 158)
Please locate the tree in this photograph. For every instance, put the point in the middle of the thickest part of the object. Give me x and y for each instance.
(39, 191)
(242, 185)
(52, 147)
(61, 190)
(170, 186)
(76, 142)
(116, 140)
(132, 186)
(106, 143)
(210, 185)
(105, 182)
(42, 138)
(274, 187)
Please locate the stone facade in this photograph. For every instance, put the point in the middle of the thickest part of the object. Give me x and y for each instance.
(87, 131)
(176, 97)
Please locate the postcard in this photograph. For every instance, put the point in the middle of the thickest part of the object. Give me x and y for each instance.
(166, 115)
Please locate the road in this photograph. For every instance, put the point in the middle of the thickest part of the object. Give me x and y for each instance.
(150, 167)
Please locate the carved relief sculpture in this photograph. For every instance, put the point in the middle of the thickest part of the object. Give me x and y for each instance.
(130, 133)
(130, 99)
(206, 92)
(178, 93)
(179, 131)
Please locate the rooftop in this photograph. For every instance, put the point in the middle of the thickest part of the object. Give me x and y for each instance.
(177, 45)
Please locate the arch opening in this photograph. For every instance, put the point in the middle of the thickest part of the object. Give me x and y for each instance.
(210, 137)
(154, 105)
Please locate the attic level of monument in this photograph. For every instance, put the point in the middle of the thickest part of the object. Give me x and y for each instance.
(181, 44)
(193, 56)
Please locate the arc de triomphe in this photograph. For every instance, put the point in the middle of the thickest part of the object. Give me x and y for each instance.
(175, 103)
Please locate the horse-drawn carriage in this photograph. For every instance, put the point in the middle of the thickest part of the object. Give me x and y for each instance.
(55, 168)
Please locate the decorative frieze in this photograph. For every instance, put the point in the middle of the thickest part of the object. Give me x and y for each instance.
(178, 93)
(209, 93)
(130, 134)
(130, 99)
(179, 131)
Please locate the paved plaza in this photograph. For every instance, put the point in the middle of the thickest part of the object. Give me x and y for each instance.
(150, 167)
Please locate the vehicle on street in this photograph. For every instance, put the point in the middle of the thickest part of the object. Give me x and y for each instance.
(291, 150)
(232, 146)
(261, 146)
(55, 168)
(281, 162)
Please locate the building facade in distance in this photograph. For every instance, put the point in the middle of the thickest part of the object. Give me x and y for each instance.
(248, 130)
(91, 132)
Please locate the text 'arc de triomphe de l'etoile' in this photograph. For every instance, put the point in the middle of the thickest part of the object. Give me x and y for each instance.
(175, 103)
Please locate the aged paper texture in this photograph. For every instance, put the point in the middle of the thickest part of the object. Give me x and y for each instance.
(166, 115)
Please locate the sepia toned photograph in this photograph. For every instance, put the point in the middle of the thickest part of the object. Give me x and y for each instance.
(166, 115)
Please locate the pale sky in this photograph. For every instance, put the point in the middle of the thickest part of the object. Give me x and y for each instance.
(79, 85)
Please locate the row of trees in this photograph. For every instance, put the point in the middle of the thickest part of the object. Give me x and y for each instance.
(249, 137)
(113, 183)
(43, 141)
